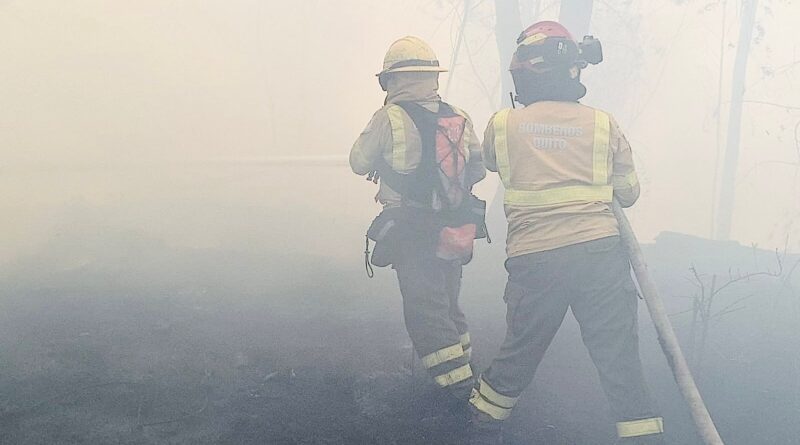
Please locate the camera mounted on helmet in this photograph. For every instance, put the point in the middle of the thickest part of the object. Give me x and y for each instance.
(590, 52)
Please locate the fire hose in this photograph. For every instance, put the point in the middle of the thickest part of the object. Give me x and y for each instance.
(666, 335)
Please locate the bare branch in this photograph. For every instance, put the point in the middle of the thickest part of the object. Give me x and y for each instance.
(720, 314)
(763, 102)
(743, 277)
(727, 309)
(675, 314)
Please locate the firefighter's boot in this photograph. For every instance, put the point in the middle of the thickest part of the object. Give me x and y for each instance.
(484, 430)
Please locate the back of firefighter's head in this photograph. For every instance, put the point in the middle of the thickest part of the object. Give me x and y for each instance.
(545, 65)
(408, 59)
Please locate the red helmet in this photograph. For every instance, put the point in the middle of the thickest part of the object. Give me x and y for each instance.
(548, 28)
(543, 46)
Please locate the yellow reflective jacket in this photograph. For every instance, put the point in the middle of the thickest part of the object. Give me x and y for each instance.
(560, 164)
(392, 134)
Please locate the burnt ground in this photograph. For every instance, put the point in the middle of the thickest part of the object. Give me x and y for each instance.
(142, 343)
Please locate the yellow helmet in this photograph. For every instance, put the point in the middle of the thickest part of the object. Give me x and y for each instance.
(410, 54)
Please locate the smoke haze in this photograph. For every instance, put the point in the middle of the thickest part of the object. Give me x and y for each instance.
(154, 144)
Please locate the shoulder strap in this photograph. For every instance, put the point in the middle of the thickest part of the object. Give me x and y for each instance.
(420, 183)
(461, 113)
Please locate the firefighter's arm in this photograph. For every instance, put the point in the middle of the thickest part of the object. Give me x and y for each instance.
(370, 144)
(475, 170)
(623, 176)
(489, 156)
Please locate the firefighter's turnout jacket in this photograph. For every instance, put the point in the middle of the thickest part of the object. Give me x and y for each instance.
(560, 164)
(428, 284)
(391, 134)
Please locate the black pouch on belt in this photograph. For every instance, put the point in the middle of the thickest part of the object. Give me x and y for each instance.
(476, 211)
(397, 231)
(385, 232)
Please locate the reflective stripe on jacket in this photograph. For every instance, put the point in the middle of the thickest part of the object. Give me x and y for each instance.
(560, 163)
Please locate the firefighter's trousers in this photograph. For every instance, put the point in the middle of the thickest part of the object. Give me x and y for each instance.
(593, 279)
(435, 323)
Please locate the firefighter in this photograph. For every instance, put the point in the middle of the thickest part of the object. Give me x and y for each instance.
(561, 164)
(426, 156)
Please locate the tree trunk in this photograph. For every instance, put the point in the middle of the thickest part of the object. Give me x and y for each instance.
(459, 40)
(576, 16)
(507, 27)
(727, 191)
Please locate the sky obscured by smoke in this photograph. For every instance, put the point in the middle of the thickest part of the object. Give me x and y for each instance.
(157, 116)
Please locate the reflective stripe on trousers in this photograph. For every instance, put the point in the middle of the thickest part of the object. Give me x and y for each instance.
(442, 357)
(434, 321)
(491, 402)
(640, 427)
